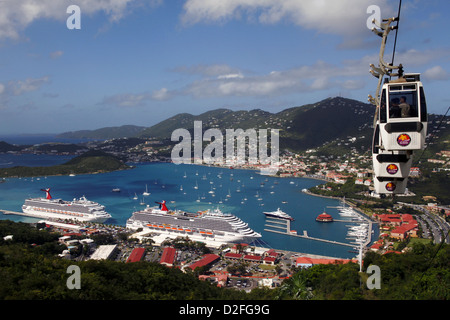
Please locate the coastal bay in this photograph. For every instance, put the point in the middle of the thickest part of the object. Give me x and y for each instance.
(244, 193)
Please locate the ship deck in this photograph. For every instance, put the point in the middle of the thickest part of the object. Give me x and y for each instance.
(196, 223)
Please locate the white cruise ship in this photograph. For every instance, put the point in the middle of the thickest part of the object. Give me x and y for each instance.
(205, 225)
(278, 214)
(78, 209)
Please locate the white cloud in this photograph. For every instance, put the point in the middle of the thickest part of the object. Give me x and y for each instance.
(16, 15)
(18, 87)
(436, 73)
(344, 17)
(415, 58)
(162, 94)
(15, 88)
(307, 78)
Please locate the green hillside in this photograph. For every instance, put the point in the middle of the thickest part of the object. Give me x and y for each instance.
(89, 162)
(301, 128)
(104, 133)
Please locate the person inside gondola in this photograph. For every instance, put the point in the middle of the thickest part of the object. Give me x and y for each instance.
(394, 108)
(404, 107)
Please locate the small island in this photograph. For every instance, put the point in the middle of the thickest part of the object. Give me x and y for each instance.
(90, 162)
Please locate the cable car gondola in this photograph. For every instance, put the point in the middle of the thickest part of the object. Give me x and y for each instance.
(400, 122)
(403, 114)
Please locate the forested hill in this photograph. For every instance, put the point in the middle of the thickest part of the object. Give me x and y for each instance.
(31, 270)
(89, 162)
(301, 128)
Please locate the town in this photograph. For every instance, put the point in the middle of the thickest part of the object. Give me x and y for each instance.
(402, 222)
(420, 215)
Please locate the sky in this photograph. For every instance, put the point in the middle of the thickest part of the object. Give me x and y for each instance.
(140, 62)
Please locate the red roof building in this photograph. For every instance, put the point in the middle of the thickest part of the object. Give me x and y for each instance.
(308, 262)
(231, 255)
(269, 260)
(168, 256)
(390, 219)
(376, 246)
(207, 259)
(324, 217)
(272, 253)
(136, 255)
(252, 258)
(404, 230)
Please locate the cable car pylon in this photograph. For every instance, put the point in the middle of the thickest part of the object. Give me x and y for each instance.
(400, 120)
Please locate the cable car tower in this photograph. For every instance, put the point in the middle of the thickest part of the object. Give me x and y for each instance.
(400, 121)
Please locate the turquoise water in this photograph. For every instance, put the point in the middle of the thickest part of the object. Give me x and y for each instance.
(165, 181)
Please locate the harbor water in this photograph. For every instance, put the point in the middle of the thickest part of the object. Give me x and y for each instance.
(244, 193)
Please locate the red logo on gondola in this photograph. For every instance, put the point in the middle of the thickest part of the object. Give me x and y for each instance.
(403, 139)
(392, 169)
(390, 186)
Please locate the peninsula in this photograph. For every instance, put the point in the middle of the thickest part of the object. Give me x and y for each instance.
(92, 161)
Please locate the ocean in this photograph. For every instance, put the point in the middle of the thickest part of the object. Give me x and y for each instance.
(243, 193)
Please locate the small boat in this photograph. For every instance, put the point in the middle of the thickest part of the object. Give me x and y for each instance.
(146, 193)
(278, 214)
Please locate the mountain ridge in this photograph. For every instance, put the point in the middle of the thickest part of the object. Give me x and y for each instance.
(329, 122)
(301, 127)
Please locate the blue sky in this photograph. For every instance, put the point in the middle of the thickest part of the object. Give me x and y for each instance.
(140, 62)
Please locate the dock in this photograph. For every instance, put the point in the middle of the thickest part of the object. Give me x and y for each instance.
(312, 238)
(16, 213)
(285, 228)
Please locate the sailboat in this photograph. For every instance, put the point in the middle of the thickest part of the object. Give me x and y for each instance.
(135, 196)
(146, 193)
(196, 185)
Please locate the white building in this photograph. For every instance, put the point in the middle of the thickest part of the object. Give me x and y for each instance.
(104, 252)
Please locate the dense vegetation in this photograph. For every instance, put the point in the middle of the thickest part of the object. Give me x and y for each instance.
(89, 162)
(301, 128)
(30, 269)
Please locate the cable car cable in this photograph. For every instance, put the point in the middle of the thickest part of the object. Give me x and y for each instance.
(396, 32)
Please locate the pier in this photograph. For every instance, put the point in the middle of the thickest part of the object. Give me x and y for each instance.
(16, 213)
(285, 228)
(312, 238)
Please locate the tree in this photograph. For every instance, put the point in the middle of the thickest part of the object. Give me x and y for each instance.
(296, 288)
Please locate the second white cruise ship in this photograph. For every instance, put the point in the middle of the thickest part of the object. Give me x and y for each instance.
(203, 225)
(78, 209)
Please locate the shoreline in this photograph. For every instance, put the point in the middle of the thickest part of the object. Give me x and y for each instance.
(256, 172)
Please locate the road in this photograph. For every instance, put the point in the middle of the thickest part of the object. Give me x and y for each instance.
(433, 226)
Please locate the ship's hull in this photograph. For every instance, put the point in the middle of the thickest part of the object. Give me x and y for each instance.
(61, 216)
(227, 228)
(78, 210)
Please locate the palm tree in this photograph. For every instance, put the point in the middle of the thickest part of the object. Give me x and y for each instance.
(296, 288)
